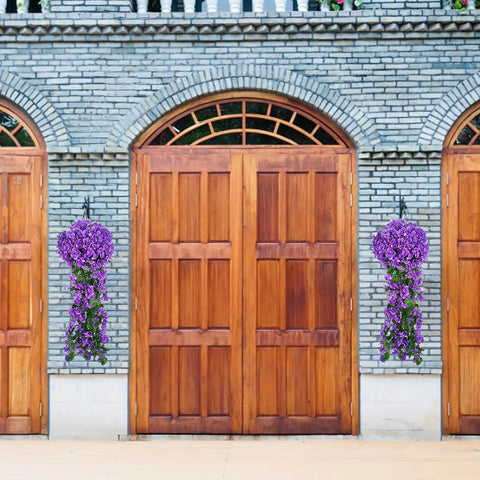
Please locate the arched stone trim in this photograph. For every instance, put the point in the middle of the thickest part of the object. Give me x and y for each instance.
(448, 110)
(331, 104)
(20, 93)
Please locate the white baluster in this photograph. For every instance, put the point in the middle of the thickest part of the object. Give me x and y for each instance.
(325, 6)
(142, 6)
(302, 5)
(22, 6)
(212, 6)
(281, 5)
(258, 6)
(189, 6)
(3, 6)
(166, 6)
(235, 6)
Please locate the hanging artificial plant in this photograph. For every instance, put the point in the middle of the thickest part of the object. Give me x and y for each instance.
(86, 248)
(402, 248)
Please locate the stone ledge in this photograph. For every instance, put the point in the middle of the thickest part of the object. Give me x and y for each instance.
(72, 157)
(364, 24)
(412, 154)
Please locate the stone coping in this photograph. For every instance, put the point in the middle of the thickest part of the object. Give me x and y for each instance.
(363, 24)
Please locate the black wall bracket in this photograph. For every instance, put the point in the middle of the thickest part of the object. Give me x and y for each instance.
(402, 207)
(86, 208)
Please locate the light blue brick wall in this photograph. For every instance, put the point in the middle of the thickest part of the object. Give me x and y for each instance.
(106, 184)
(395, 81)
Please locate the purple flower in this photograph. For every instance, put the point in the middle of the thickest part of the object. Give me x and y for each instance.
(402, 248)
(86, 248)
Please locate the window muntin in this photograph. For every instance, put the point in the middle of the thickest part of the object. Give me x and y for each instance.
(245, 122)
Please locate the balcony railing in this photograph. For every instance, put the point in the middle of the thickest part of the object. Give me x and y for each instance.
(24, 6)
(233, 6)
(215, 6)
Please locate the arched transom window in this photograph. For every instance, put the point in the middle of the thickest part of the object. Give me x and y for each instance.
(245, 121)
(469, 133)
(466, 131)
(13, 132)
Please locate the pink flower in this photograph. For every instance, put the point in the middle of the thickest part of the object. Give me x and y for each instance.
(339, 2)
(464, 2)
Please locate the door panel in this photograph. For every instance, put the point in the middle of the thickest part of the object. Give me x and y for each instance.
(462, 290)
(244, 285)
(20, 294)
(297, 285)
(189, 293)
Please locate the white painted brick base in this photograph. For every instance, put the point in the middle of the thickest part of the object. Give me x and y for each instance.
(400, 407)
(88, 407)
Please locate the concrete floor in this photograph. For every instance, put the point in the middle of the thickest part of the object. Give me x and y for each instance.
(240, 460)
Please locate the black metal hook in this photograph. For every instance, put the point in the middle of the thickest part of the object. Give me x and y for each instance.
(86, 208)
(403, 207)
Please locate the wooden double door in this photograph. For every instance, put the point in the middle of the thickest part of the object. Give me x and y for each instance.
(22, 222)
(461, 290)
(242, 290)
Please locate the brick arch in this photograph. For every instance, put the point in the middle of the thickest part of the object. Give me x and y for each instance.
(351, 119)
(22, 94)
(448, 110)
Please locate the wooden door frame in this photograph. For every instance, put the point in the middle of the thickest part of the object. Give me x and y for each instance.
(39, 151)
(446, 265)
(450, 394)
(134, 180)
(40, 154)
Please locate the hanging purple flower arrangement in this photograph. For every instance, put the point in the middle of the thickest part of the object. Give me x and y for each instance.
(402, 248)
(86, 248)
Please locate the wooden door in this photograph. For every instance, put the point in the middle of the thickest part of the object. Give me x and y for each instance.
(243, 332)
(461, 292)
(297, 288)
(189, 332)
(21, 233)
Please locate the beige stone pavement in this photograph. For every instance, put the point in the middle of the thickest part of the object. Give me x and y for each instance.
(240, 460)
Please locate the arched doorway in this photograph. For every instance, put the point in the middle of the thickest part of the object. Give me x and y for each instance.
(22, 275)
(243, 271)
(461, 275)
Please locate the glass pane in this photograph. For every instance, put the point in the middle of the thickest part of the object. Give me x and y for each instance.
(228, 139)
(183, 123)
(465, 136)
(206, 113)
(162, 138)
(231, 108)
(476, 122)
(292, 134)
(260, 139)
(325, 138)
(260, 124)
(304, 123)
(477, 141)
(257, 108)
(193, 136)
(282, 113)
(6, 141)
(227, 124)
(24, 138)
(7, 121)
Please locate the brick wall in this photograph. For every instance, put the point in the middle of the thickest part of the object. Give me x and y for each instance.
(390, 81)
(382, 179)
(105, 181)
